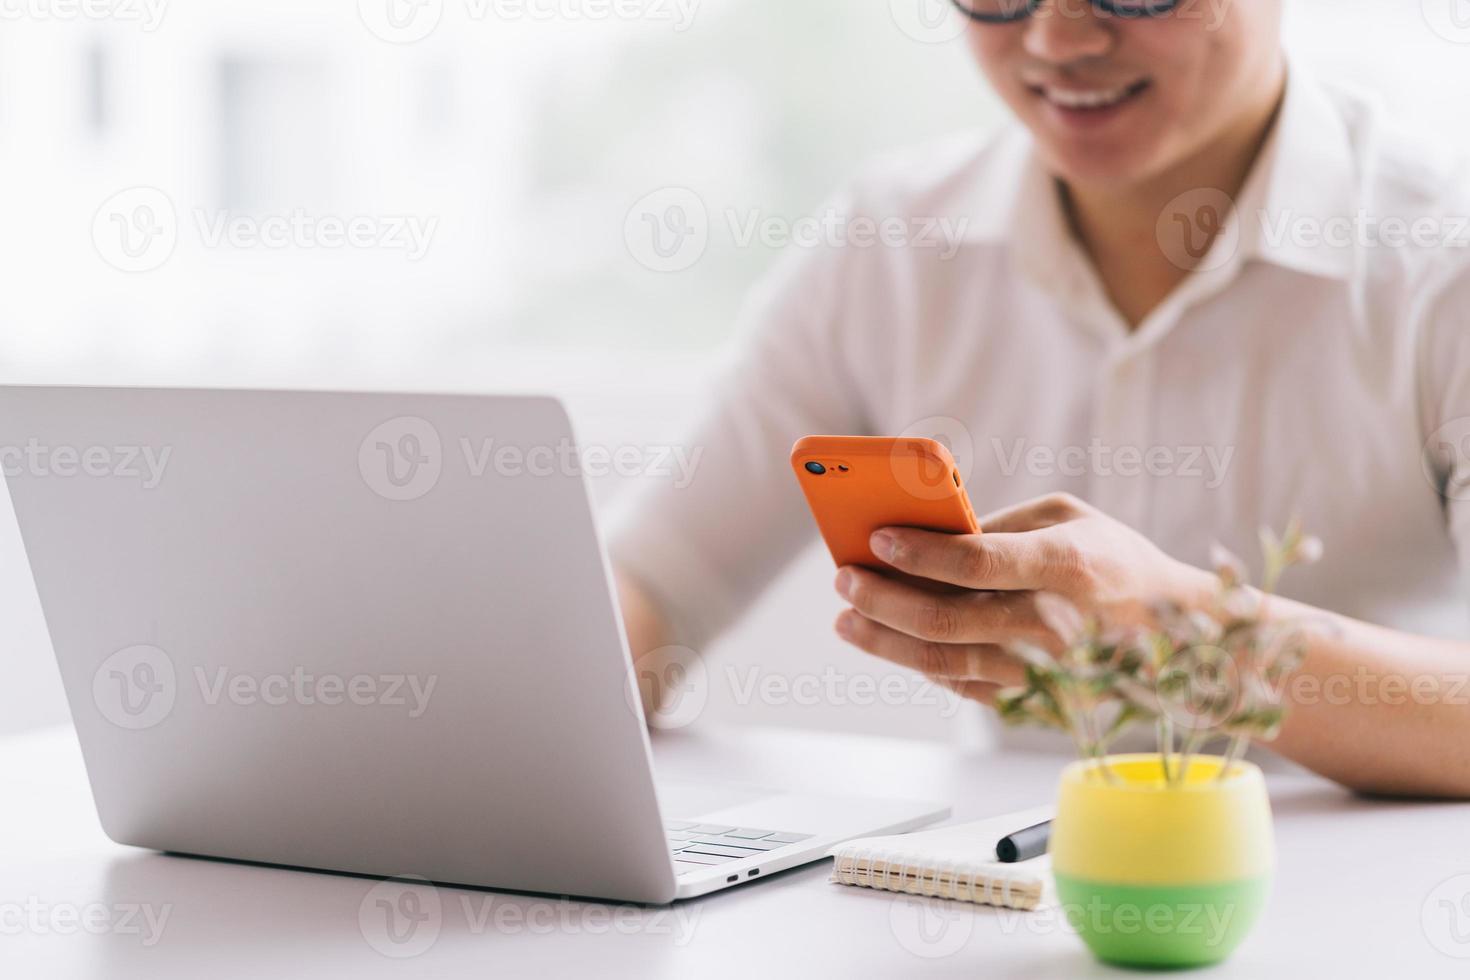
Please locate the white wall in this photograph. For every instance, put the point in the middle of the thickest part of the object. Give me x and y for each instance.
(527, 142)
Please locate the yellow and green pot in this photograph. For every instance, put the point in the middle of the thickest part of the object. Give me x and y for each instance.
(1160, 876)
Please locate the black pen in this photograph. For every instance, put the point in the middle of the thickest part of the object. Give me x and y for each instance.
(1024, 845)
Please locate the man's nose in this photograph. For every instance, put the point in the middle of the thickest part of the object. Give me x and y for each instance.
(1062, 31)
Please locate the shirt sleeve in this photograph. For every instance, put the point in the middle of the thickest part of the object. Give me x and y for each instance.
(705, 551)
(1445, 364)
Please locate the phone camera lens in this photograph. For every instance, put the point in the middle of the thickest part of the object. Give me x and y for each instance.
(815, 469)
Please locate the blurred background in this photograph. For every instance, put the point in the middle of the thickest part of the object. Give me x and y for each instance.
(447, 194)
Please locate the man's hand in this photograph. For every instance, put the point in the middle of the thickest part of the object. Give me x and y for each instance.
(1054, 544)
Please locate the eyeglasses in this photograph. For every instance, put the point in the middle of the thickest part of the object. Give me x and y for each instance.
(1009, 11)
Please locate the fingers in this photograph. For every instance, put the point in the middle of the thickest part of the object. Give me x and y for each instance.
(1032, 515)
(981, 691)
(947, 664)
(971, 617)
(1004, 560)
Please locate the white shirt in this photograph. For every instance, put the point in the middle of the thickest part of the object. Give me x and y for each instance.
(1288, 376)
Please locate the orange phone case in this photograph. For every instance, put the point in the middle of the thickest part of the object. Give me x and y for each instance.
(866, 483)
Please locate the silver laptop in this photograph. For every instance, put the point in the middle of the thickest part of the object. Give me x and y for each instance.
(370, 633)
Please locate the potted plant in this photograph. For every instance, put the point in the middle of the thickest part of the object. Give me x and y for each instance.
(1164, 859)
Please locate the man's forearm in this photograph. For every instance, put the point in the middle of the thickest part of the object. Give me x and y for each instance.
(1378, 710)
(647, 627)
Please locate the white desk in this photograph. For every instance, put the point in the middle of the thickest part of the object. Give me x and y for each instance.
(1355, 893)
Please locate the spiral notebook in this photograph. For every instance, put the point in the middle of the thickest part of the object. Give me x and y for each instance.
(952, 862)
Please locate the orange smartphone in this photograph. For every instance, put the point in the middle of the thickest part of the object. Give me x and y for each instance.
(857, 484)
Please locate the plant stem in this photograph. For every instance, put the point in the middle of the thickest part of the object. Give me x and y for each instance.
(1191, 746)
(1166, 744)
(1232, 755)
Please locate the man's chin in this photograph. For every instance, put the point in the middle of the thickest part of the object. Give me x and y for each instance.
(1099, 168)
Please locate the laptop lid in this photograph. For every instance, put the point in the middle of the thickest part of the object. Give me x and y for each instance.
(370, 633)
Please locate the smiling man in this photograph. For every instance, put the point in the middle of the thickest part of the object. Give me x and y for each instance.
(1142, 281)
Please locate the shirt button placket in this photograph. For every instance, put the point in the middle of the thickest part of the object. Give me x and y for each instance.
(1117, 461)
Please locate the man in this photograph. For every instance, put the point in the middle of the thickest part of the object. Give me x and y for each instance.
(1211, 376)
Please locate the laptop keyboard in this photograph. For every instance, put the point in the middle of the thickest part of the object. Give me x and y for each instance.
(700, 846)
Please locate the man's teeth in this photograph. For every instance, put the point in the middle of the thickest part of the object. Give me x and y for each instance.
(1095, 99)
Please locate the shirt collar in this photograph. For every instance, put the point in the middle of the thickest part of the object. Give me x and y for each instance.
(1303, 180)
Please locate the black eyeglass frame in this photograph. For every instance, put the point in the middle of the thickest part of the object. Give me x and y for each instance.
(1116, 8)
